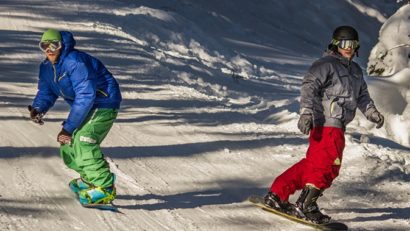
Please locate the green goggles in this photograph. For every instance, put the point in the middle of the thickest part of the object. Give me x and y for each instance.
(50, 45)
(346, 44)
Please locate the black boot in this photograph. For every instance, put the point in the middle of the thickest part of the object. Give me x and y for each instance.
(307, 208)
(273, 201)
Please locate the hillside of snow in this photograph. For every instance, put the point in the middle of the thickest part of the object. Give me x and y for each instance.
(211, 100)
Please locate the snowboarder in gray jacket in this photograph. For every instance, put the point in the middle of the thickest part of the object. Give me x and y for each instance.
(331, 92)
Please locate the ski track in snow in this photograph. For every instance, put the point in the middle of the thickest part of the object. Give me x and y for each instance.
(208, 118)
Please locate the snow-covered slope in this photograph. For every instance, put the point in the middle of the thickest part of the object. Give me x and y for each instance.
(209, 115)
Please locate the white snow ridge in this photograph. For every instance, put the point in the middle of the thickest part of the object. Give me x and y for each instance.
(210, 106)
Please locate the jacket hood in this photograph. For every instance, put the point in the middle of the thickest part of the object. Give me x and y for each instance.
(68, 43)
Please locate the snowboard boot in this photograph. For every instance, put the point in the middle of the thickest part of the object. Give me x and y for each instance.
(307, 208)
(274, 202)
(97, 195)
(78, 184)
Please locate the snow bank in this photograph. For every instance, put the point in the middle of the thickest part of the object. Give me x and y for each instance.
(391, 53)
(390, 59)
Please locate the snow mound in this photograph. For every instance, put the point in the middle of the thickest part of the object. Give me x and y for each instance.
(390, 59)
(391, 53)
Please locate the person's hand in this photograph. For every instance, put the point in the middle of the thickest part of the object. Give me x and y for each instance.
(35, 115)
(373, 115)
(64, 137)
(305, 123)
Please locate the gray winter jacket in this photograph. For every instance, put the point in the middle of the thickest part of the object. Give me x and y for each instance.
(332, 90)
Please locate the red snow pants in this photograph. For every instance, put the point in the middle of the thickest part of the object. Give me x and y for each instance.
(320, 167)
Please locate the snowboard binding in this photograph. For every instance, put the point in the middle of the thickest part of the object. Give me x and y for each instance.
(307, 208)
(273, 201)
(78, 184)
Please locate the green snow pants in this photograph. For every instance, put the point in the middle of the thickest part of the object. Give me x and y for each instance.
(84, 154)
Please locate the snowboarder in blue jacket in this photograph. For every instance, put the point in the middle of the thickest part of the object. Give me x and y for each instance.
(94, 97)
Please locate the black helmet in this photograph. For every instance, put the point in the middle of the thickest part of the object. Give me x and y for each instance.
(345, 33)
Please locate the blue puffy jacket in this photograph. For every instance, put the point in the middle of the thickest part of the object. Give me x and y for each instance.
(82, 80)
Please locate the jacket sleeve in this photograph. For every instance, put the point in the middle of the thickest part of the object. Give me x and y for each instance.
(364, 101)
(312, 86)
(84, 85)
(45, 97)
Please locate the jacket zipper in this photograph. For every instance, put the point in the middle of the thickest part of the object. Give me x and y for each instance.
(61, 77)
(55, 73)
(102, 92)
(55, 80)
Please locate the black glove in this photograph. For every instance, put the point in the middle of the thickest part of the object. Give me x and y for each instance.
(373, 115)
(64, 137)
(305, 123)
(35, 115)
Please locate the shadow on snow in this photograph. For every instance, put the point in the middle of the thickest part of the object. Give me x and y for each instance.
(181, 150)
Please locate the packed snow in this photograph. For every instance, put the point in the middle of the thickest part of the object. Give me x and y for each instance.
(211, 100)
